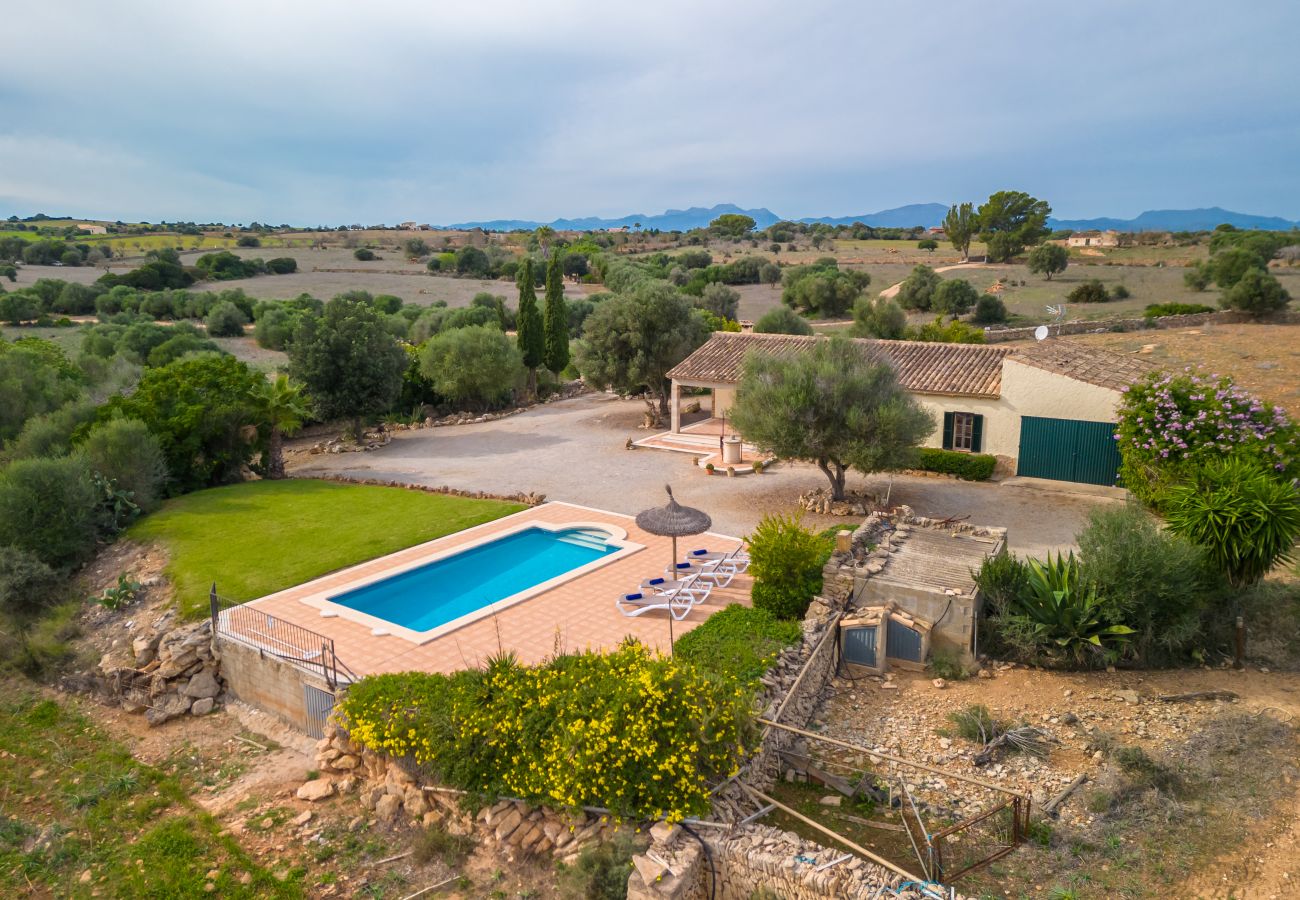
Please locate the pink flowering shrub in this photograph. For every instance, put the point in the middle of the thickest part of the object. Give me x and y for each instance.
(1170, 425)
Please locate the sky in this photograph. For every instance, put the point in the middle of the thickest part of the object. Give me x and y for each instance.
(332, 113)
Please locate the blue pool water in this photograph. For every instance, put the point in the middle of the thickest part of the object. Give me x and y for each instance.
(446, 589)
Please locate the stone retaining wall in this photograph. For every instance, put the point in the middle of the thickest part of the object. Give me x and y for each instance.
(396, 794)
(1100, 326)
(528, 498)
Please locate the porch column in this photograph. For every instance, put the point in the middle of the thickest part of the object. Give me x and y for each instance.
(676, 407)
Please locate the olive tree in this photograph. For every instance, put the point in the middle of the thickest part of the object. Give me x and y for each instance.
(837, 405)
(1048, 260)
(477, 367)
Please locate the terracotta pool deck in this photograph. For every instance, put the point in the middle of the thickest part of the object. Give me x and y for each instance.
(578, 614)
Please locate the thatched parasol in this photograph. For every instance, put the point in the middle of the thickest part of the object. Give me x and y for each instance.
(673, 520)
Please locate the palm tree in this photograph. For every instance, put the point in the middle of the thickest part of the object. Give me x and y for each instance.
(283, 409)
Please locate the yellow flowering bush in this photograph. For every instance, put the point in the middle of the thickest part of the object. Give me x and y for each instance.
(629, 731)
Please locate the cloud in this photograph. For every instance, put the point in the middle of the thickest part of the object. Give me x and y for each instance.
(328, 112)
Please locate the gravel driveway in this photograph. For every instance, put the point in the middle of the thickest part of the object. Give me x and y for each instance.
(573, 450)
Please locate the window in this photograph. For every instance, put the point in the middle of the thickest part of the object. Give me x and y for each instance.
(963, 431)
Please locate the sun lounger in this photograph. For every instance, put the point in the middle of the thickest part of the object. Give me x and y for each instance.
(693, 589)
(718, 575)
(737, 558)
(638, 604)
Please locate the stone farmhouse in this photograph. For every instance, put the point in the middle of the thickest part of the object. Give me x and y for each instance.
(1093, 239)
(1046, 411)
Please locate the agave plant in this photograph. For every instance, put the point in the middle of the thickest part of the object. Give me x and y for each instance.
(1062, 612)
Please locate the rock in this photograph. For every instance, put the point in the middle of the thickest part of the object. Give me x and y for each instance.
(316, 789)
(145, 650)
(303, 818)
(985, 673)
(85, 877)
(1128, 696)
(202, 685)
(939, 683)
(832, 800)
(347, 762)
(387, 808)
(649, 870)
(202, 706)
(663, 833)
(165, 708)
(175, 665)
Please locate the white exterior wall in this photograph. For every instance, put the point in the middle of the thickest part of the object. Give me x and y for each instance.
(1026, 391)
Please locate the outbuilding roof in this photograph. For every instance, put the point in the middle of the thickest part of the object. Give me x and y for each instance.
(924, 368)
(970, 370)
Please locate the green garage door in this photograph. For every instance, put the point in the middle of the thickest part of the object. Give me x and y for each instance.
(1068, 450)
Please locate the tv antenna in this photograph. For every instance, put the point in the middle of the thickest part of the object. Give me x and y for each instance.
(1057, 312)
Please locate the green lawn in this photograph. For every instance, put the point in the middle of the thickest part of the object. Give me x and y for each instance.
(263, 536)
(76, 802)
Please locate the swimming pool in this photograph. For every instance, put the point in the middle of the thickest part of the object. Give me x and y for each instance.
(427, 598)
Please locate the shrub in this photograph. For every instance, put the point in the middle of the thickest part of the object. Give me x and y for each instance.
(226, 320)
(282, 265)
(737, 644)
(1120, 292)
(1156, 310)
(635, 733)
(948, 666)
(1257, 292)
(50, 508)
(722, 301)
(363, 254)
(38, 647)
(601, 871)
(51, 434)
(786, 561)
(1232, 264)
(126, 453)
(954, 297)
(989, 310)
(966, 466)
(248, 240)
(782, 320)
(1245, 517)
(1150, 578)
(1170, 424)
(477, 366)
(27, 585)
(879, 318)
(434, 843)
(951, 332)
(1091, 291)
(1197, 277)
(917, 290)
(975, 723)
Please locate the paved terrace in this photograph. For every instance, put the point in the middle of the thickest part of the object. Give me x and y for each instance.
(576, 615)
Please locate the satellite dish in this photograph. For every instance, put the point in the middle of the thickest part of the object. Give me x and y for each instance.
(1040, 333)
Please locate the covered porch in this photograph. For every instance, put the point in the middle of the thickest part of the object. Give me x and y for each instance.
(705, 433)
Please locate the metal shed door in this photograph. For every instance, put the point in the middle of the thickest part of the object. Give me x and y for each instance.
(1068, 450)
(902, 642)
(860, 646)
(317, 704)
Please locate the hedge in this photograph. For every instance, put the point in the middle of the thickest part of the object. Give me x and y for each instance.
(966, 466)
(638, 734)
(739, 643)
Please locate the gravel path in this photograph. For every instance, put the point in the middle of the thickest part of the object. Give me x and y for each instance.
(573, 450)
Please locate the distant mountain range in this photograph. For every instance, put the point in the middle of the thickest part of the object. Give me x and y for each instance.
(926, 215)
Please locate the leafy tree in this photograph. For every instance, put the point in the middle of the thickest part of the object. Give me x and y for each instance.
(248, 240)
(556, 319)
(1231, 265)
(349, 364)
(823, 289)
(32, 381)
(1244, 516)
(732, 225)
(782, 320)
(836, 404)
(477, 367)
(472, 261)
(50, 508)
(27, 585)
(954, 297)
(226, 320)
(989, 310)
(17, 308)
(631, 341)
(126, 453)
(282, 265)
(531, 334)
(917, 290)
(961, 224)
(1009, 221)
(927, 244)
(1257, 292)
(1198, 276)
(880, 318)
(722, 301)
(1091, 291)
(282, 408)
(51, 433)
(770, 273)
(694, 259)
(415, 248)
(1048, 260)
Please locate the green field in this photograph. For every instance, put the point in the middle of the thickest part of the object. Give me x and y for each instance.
(80, 817)
(259, 537)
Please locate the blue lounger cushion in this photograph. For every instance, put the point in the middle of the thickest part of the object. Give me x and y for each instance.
(684, 565)
(632, 596)
(655, 581)
(698, 552)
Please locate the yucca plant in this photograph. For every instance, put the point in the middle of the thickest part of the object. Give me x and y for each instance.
(1062, 613)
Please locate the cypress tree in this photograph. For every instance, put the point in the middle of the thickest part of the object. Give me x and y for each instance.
(557, 319)
(530, 337)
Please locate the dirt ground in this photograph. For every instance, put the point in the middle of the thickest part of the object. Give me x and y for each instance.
(1264, 359)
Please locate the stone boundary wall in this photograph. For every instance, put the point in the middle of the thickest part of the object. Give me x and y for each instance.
(1101, 326)
(526, 498)
(395, 794)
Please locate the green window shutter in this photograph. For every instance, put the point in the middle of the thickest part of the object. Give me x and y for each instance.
(947, 430)
(977, 434)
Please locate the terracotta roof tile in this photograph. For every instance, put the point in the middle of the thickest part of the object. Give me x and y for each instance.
(1091, 365)
(924, 368)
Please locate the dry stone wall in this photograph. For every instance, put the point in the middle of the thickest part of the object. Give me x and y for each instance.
(1100, 326)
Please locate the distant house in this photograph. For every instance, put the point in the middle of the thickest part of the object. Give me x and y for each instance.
(1093, 239)
(937, 233)
(1048, 411)
(407, 226)
(621, 229)
(92, 229)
